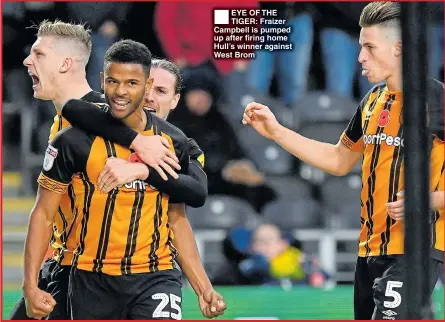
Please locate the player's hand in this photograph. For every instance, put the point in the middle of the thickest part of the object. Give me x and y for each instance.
(38, 303)
(118, 172)
(211, 304)
(261, 118)
(242, 172)
(154, 151)
(396, 209)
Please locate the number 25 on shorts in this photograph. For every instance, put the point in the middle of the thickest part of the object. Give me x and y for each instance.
(165, 299)
(390, 292)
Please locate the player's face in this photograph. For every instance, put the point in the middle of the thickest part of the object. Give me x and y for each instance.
(379, 56)
(124, 86)
(161, 97)
(43, 67)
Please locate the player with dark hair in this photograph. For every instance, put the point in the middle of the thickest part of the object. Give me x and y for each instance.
(375, 134)
(48, 84)
(123, 263)
(161, 99)
(139, 267)
(128, 52)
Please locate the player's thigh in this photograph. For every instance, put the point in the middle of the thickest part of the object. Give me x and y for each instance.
(161, 301)
(388, 287)
(389, 281)
(58, 288)
(363, 292)
(91, 298)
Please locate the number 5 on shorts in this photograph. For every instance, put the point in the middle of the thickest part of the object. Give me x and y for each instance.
(173, 299)
(394, 294)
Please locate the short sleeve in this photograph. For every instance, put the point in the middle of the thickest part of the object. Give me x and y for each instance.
(59, 164)
(352, 137)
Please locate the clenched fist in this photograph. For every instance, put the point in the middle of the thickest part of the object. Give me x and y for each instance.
(38, 303)
(211, 304)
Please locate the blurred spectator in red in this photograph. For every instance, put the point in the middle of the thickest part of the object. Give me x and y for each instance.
(185, 30)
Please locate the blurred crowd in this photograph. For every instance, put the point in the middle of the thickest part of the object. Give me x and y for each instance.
(267, 256)
(314, 88)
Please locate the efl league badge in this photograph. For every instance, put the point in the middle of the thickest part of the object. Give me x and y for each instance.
(50, 156)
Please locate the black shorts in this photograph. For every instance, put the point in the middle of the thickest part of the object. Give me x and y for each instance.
(144, 296)
(53, 279)
(379, 281)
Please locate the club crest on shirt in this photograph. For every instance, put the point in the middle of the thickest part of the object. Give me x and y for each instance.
(50, 156)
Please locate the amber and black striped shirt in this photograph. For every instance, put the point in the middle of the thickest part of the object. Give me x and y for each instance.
(63, 241)
(377, 131)
(126, 230)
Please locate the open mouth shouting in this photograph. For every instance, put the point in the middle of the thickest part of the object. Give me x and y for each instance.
(35, 79)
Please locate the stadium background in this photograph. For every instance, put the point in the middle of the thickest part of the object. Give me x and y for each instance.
(318, 211)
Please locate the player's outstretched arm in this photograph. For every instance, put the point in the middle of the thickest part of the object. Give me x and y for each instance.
(153, 150)
(210, 302)
(38, 302)
(334, 159)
